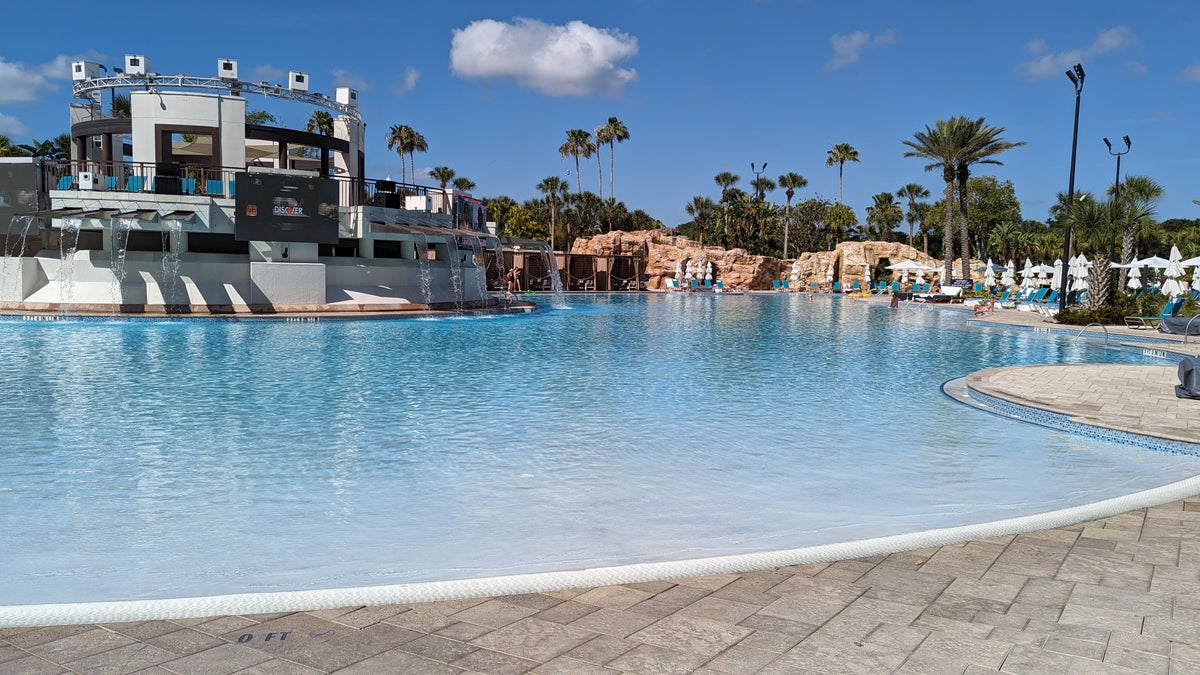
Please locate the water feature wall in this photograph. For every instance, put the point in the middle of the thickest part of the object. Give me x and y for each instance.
(120, 242)
(68, 242)
(12, 268)
(169, 286)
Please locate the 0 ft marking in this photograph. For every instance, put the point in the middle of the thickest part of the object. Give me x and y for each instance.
(249, 637)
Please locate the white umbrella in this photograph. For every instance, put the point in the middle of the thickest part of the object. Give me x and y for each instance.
(904, 277)
(1153, 261)
(867, 276)
(829, 274)
(1010, 275)
(1056, 274)
(1135, 278)
(1172, 287)
(691, 271)
(1081, 274)
(708, 271)
(795, 276)
(679, 270)
(989, 275)
(1027, 274)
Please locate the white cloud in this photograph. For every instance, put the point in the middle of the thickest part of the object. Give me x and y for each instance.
(1045, 64)
(571, 60)
(847, 49)
(267, 73)
(23, 83)
(344, 78)
(1191, 73)
(11, 126)
(411, 75)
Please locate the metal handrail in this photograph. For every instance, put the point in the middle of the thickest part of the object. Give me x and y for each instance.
(1105, 328)
(1188, 327)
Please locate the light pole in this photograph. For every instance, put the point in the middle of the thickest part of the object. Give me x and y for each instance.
(1117, 187)
(757, 176)
(1076, 76)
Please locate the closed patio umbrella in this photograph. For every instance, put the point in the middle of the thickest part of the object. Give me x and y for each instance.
(1135, 278)
(1174, 270)
(1081, 274)
(1009, 277)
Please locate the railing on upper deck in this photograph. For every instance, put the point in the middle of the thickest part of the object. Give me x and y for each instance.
(187, 179)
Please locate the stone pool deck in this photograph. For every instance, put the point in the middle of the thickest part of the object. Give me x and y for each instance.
(1117, 595)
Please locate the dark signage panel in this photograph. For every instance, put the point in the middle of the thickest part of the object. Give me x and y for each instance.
(274, 207)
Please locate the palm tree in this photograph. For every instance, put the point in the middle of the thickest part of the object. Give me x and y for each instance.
(981, 143)
(839, 154)
(579, 144)
(120, 106)
(442, 174)
(912, 192)
(699, 209)
(46, 149)
(1135, 190)
(415, 143)
(397, 139)
(320, 122)
(790, 182)
(762, 185)
(726, 180)
(884, 213)
(551, 186)
(8, 149)
(612, 132)
(464, 184)
(943, 144)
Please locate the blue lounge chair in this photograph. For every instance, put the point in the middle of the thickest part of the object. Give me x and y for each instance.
(65, 182)
(775, 284)
(814, 287)
(214, 188)
(837, 287)
(786, 285)
(134, 184)
(111, 181)
(1169, 309)
(708, 282)
(856, 287)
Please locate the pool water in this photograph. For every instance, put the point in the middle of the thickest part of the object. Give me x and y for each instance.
(152, 459)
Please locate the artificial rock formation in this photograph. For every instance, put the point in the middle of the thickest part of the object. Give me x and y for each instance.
(665, 254)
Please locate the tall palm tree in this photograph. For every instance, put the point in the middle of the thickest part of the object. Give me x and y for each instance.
(464, 184)
(397, 139)
(884, 213)
(579, 144)
(726, 180)
(942, 145)
(839, 154)
(790, 182)
(1135, 191)
(981, 143)
(551, 186)
(414, 143)
(912, 192)
(612, 132)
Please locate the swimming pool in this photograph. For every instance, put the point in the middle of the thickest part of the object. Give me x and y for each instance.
(151, 459)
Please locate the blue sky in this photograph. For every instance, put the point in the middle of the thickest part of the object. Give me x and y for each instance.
(703, 86)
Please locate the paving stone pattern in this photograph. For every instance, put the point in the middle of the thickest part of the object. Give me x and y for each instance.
(1119, 595)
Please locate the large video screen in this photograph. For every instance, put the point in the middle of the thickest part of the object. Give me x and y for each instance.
(18, 193)
(275, 207)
